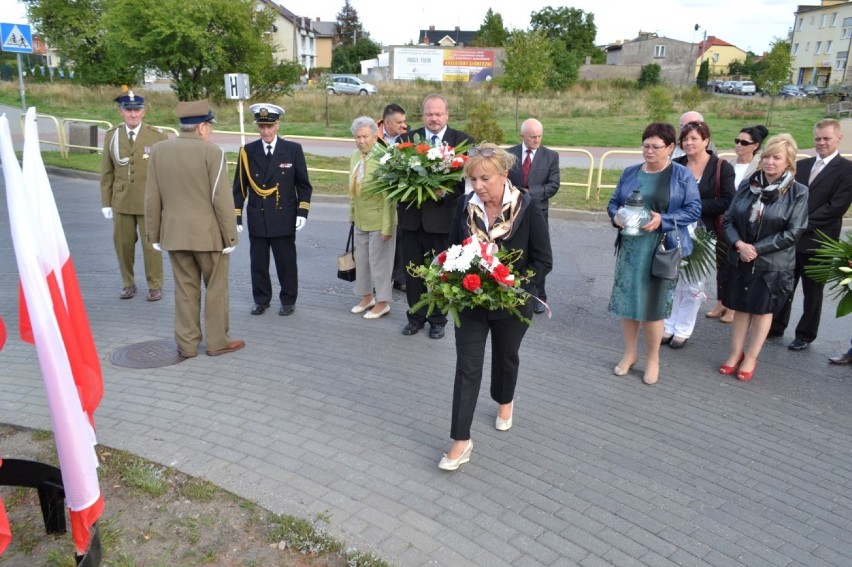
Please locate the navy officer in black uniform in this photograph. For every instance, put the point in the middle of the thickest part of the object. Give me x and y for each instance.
(272, 181)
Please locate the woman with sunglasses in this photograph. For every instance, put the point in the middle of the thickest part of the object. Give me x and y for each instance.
(716, 187)
(747, 146)
(495, 211)
(765, 220)
(670, 194)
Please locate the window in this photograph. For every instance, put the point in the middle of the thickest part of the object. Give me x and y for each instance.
(840, 62)
(801, 23)
(659, 51)
(823, 21)
(828, 45)
(834, 19)
(795, 49)
(807, 46)
(818, 47)
(715, 58)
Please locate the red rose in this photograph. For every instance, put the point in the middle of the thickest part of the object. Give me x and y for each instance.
(442, 257)
(501, 272)
(467, 241)
(471, 282)
(405, 145)
(443, 277)
(423, 148)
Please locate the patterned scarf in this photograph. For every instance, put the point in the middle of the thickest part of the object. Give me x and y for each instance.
(766, 192)
(356, 176)
(477, 222)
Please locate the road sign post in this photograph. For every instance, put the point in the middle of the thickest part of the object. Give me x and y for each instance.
(237, 88)
(17, 38)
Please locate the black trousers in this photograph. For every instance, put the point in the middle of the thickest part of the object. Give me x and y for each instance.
(419, 247)
(506, 336)
(542, 293)
(284, 251)
(812, 293)
(399, 265)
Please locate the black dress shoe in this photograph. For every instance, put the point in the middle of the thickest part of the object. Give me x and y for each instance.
(258, 309)
(400, 286)
(286, 309)
(845, 358)
(436, 331)
(798, 344)
(412, 329)
(677, 344)
(775, 333)
(538, 308)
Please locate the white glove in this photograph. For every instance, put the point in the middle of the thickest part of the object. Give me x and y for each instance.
(107, 211)
(228, 250)
(239, 228)
(301, 222)
(156, 246)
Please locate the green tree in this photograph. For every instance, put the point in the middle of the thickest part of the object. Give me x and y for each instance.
(491, 33)
(566, 66)
(76, 30)
(347, 58)
(703, 74)
(737, 67)
(482, 125)
(349, 30)
(573, 27)
(775, 73)
(196, 43)
(526, 65)
(649, 75)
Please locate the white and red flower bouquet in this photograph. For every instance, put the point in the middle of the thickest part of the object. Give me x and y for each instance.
(415, 172)
(473, 274)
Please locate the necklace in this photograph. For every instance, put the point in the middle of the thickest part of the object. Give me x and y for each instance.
(646, 170)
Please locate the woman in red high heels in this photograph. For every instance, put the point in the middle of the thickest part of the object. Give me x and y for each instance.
(763, 223)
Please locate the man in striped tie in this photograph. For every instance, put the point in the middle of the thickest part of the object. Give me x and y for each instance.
(536, 170)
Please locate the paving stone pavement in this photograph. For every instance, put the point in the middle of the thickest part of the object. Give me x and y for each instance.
(326, 413)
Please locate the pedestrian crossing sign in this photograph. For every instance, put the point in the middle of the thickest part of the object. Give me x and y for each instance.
(16, 38)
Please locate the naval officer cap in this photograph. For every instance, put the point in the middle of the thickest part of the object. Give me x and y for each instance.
(266, 113)
(129, 101)
(195, 112)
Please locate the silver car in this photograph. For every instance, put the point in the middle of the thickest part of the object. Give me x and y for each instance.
(345, 84)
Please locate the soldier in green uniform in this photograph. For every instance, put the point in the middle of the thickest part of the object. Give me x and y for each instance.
(124, 170)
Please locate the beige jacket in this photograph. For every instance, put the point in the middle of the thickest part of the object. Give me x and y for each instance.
(123, 177)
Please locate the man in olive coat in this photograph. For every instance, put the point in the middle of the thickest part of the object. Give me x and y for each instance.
(124, 170)
(189, 211)
(272, 182)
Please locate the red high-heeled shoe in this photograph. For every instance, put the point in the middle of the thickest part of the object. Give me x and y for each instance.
(728, 370)
(746, 376)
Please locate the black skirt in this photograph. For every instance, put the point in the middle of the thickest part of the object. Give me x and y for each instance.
(756, 292)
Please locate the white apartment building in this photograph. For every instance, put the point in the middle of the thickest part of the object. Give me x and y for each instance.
(820, 43)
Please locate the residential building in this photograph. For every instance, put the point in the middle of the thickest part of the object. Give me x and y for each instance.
(446, 38)
(676, 58)
(820, 43)
(298, 38)
(719, 54)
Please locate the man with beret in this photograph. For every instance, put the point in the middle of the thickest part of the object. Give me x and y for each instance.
(124, 169)
(189, 213)
(272, 182)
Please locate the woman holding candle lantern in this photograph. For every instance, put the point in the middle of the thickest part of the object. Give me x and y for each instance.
(664, 197)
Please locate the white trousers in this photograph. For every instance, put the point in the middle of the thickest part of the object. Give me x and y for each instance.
(374, 264)
(687, 300)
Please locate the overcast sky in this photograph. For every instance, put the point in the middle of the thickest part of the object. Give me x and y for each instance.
(751, 25)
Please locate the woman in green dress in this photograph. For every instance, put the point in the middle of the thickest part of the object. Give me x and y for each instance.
(671, 198)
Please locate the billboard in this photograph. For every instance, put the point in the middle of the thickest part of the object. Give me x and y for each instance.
(436, 64)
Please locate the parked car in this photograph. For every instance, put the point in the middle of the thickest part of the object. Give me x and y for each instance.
(745, 88)
(836, 91)
(345, 84)
(810, 90)
(715, 85)
(791, 91)
(727, 87)
(732, 88)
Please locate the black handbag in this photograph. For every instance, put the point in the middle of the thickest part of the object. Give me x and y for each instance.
(666, 262)
(346, 261)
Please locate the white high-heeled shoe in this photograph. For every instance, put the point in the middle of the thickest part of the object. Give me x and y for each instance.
(361, 308)
(382, 313)
(449, 464)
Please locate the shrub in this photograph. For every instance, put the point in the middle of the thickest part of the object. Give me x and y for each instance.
(649, 76)
(482, 125)
(691, 98)
(659, 104)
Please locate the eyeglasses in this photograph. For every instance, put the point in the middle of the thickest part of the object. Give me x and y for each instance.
(738, 142)
(484, 152)
(694, 125)
(648, 147)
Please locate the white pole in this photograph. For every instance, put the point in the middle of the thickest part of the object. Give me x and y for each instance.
(21, 82)
(242, 125)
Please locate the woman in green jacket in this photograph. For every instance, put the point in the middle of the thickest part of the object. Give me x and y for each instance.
(374, 218)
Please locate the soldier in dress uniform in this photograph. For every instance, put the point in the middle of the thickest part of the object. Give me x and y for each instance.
(124, 169)
(272, 181)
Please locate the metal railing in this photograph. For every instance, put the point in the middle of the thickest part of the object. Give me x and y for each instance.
(60, 133)
(63, 121)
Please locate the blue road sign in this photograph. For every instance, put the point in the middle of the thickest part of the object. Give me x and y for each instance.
(17, 38)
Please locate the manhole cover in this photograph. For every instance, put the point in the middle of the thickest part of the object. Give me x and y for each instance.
(151, 354)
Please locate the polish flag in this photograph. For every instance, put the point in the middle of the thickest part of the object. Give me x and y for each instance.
(54, 317)
(5, 530)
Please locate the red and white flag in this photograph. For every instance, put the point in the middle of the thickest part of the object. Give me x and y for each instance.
(5, 530)
(54, 318)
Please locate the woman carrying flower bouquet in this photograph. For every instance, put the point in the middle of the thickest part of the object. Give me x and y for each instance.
(375, 226)
(495, 212)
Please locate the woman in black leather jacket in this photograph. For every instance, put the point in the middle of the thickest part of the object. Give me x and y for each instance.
(763, 223)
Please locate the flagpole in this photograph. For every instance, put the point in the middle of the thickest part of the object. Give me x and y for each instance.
(21, 82)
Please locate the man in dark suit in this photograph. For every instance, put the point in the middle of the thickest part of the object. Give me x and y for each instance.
(536, 169)
(829, 180)
(392, 127)
(426, 228)
(272, 180)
